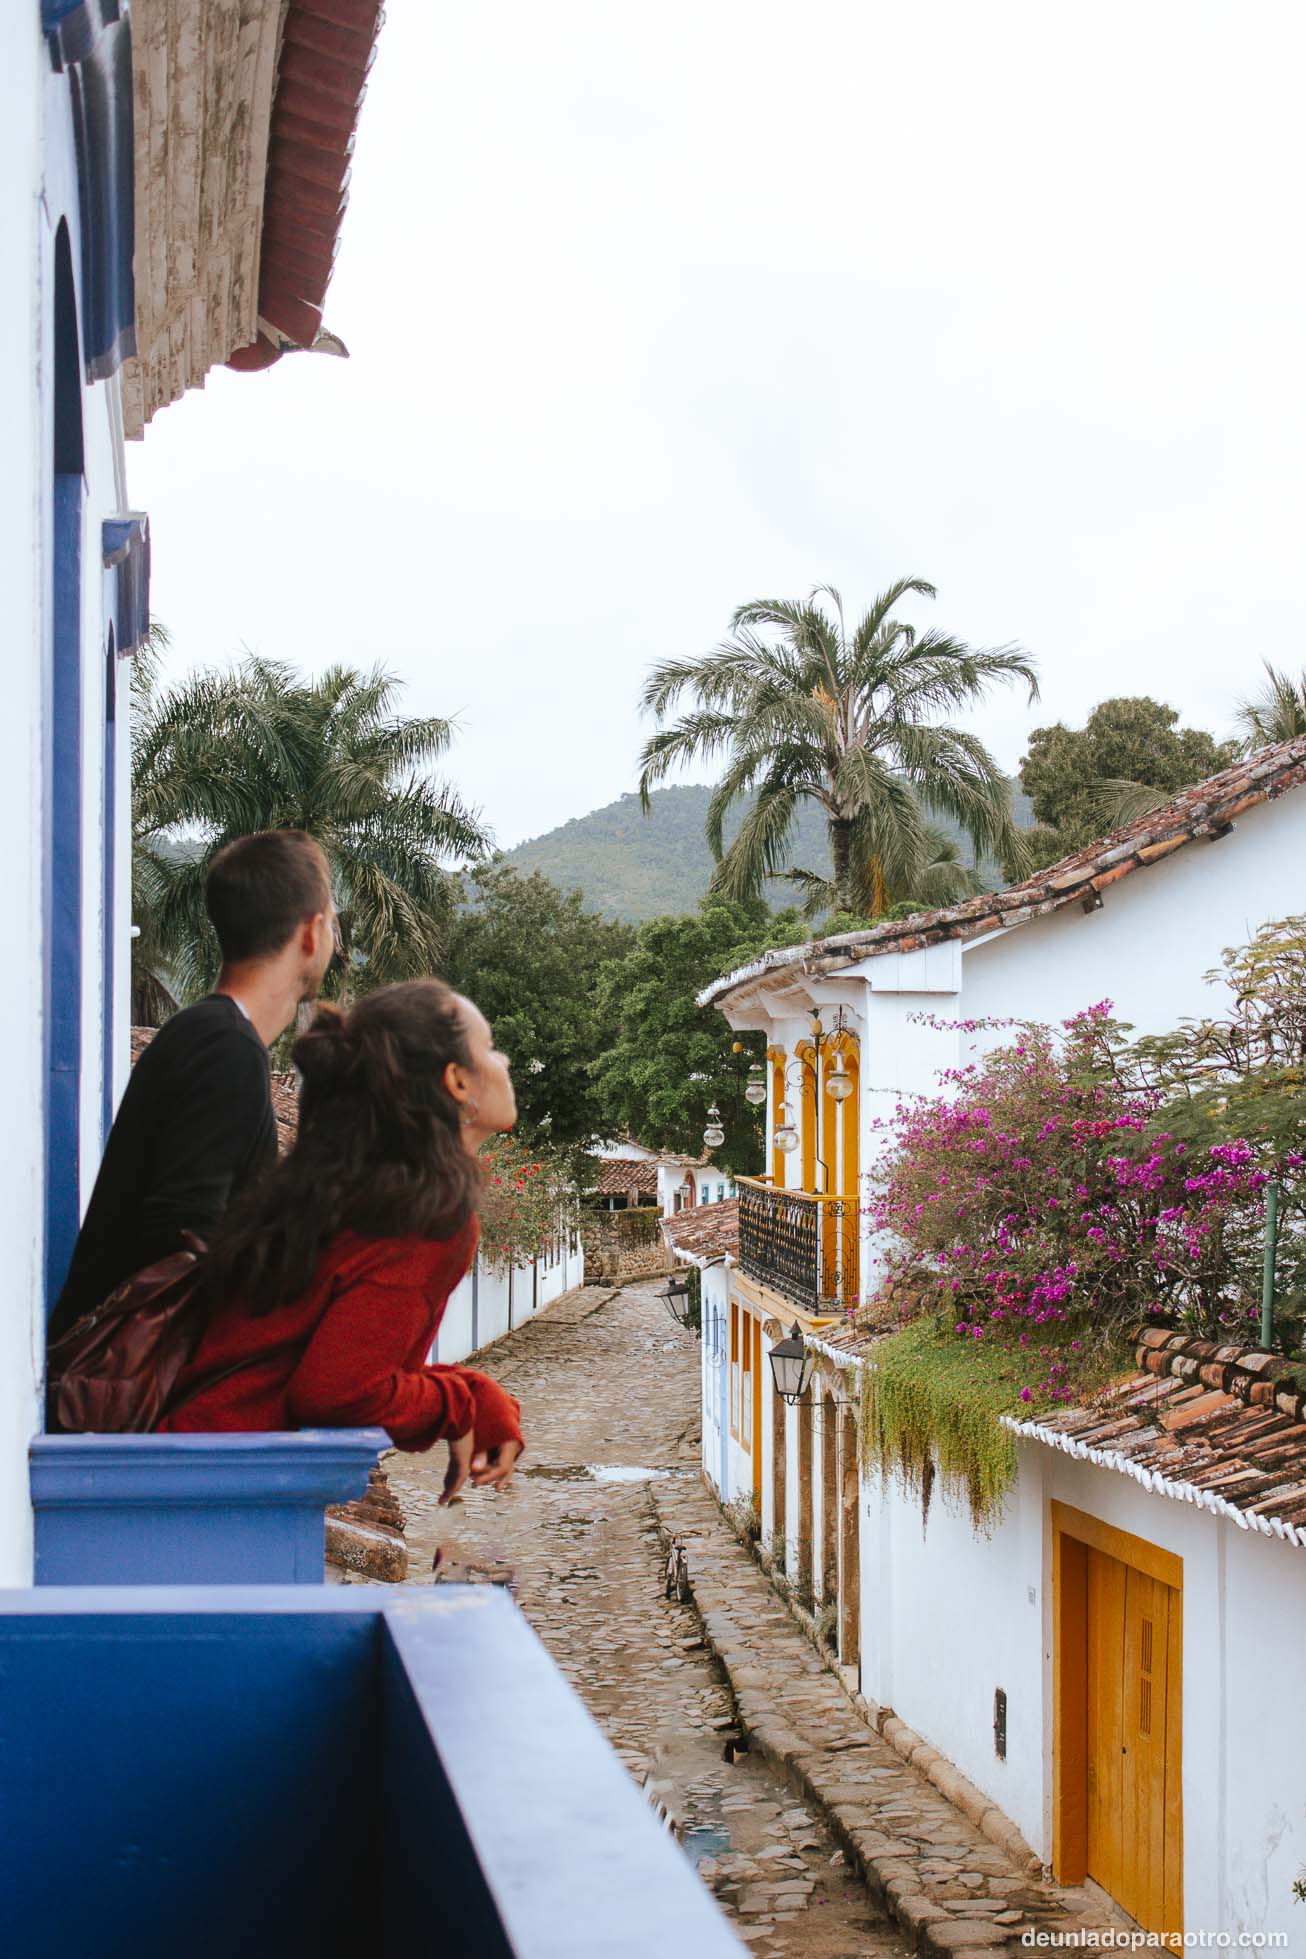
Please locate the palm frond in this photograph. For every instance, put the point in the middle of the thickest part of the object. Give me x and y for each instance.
(761, 846)
(1277, 713)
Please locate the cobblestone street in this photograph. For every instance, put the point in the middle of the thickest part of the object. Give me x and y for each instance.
(609, 1391)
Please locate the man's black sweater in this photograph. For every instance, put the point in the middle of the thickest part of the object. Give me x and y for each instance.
(194, 1126)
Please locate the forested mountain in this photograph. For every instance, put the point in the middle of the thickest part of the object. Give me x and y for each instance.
(633, 866)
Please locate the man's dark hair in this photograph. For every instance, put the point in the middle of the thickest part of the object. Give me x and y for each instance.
(261, 889)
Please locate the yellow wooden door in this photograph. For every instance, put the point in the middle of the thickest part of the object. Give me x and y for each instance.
(1132, 1712)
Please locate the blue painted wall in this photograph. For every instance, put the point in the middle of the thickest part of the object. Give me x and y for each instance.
(63, 796)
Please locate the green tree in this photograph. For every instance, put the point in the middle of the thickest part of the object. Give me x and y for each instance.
(530, 956)
(668, 1060)
(1128, 758)
(1277, 713)
(260, 748)
(806, 712)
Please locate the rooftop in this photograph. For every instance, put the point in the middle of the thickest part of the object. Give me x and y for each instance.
(1208, 810)
(244, 121)
(708, 1231)
(615, 1176)
(1220, 1426)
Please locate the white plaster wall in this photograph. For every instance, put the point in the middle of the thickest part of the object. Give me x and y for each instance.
(716, 1309)
(1253, 1820)
(946, 1618)
(948, 1615)
(25, 336)
(460, 1333)
(1158, 932)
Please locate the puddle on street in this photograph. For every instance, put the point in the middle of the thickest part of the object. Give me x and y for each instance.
(705, 1840)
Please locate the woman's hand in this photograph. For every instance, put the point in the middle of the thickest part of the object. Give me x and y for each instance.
(460, 1466)
(492, 1468)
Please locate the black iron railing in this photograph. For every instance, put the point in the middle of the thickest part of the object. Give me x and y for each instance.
(802, 1245)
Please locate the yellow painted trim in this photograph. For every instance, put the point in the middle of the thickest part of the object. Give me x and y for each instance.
(757, 1413)
(810, 1136)
(773, 1305)
(1165, 1566)
(777, 1058)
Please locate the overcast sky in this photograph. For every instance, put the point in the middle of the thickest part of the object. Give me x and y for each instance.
(655, 310)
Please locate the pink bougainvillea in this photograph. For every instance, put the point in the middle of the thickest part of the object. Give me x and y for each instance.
(1041, 1187)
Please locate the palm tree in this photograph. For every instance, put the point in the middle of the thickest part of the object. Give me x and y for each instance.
(1277, 713)
(803, 711)
(259, 748)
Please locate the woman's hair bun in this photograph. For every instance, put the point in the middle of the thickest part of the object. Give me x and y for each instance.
(326, 1053)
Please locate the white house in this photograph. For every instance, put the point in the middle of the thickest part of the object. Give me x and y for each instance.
(674, 1183)
(1107, 1667)
(138, 252)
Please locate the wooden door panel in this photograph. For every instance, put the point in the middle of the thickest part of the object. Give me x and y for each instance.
(1105, 1719)
(1143, 1747)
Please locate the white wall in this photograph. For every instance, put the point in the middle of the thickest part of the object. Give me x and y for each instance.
(948, 1615)
(714, 1356)
(487, 1304)
(1157, 933)
(25, 334)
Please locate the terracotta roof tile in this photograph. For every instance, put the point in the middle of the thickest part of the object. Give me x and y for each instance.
(616, 1176)
(706, 1231)
(327, 49)
(1207, 810)
(1217, 1442)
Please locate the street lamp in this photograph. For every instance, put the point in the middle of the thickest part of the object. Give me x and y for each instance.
(675, 1297)
(791, 1365)
(839, 1083)
(756, 1090)
(714, 1135)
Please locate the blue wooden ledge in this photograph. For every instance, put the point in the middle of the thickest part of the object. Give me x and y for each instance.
(318, 1773)
(192, 1509)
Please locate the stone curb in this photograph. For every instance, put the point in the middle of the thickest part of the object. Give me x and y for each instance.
(888, 1866)
(920, 1754)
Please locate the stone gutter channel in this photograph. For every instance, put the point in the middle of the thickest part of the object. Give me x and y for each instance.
(940, 1860)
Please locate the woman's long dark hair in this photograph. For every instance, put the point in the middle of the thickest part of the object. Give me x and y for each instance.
(379, 1149)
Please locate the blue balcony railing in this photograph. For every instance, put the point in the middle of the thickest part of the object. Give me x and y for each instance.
(318, 1773)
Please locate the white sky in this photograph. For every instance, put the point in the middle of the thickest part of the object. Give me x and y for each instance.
(654, 310)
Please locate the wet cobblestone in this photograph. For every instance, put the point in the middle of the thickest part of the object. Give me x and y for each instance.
(609, 1389)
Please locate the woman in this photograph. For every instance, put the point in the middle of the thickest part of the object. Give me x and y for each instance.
(330, 1279)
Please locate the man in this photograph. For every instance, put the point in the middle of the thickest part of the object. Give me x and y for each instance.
(196, 1123)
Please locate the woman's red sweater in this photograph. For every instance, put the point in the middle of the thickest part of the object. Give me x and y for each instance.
(349, 1353)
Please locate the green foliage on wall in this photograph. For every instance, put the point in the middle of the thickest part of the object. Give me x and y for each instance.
(932, 1403)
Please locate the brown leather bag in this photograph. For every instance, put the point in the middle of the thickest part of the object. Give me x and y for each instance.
(114, 1371)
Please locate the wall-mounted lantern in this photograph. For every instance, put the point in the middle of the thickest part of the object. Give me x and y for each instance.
(675, 1297)
(792, 1366)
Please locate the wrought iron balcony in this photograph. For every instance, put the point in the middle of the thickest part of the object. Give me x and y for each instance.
(804, 1246)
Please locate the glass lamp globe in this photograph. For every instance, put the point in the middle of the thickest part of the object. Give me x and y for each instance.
(756, 1090)
(786, 1138)
(791, 1366)
(714, 1135)
(839, 1086)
